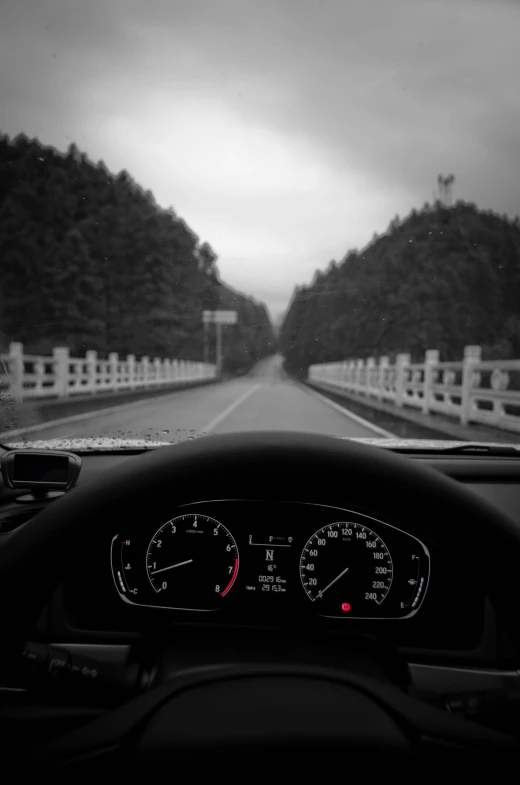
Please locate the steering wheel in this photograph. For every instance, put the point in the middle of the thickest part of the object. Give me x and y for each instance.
(230, 711)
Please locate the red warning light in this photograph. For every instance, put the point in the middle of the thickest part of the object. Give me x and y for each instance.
(345, 607)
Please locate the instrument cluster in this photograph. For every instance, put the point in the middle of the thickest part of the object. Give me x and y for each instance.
(215, 556)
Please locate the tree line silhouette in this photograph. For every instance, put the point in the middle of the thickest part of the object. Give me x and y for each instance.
(442, 278)
(88, 260)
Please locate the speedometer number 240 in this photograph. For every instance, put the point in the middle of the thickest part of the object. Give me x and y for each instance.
(346, 565)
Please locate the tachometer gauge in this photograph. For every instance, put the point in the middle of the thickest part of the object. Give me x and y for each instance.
(346, 568)
(192, 562)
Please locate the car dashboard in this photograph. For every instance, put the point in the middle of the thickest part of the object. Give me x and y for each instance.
(211, 572)
(270, 564)
(276, 561)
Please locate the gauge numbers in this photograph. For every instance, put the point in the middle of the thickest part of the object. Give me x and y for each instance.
(347, 567)
(192, 562)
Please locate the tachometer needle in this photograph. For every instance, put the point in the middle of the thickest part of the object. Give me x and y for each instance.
(322, 592)
(172, 566)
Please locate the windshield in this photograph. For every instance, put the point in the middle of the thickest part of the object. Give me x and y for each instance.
(227, 215)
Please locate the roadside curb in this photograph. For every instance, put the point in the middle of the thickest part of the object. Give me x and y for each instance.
(424, 426)
(37, 415)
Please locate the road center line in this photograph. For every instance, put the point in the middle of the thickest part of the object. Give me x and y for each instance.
(231, 408)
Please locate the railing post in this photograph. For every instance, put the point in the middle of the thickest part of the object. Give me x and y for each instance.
(472, 356)
(384, 363)
(401, 361)
(431, 359)
(145, 361)
(16, 368)
(341, 374)
(359, 371)
(130, 361)
(167, 366)
(39, 371)
(351, 371)
(369, 374)
(113, 360)
(157, 367)
(61, 369)
(91, 358)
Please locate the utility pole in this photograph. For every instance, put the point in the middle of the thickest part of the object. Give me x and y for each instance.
(218, 327)
(206, 347)
(445, 185)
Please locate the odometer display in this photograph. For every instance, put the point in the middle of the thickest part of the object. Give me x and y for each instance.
(346, 569)
(192, 563)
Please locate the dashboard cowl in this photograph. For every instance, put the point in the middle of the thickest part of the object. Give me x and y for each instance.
(275, 465)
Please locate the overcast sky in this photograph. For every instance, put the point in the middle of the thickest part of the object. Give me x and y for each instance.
(283, 131)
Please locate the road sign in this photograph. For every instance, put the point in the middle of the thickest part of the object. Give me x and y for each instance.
(219, 317)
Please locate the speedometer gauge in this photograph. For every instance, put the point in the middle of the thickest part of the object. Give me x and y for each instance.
(346, 568)
(192, 562)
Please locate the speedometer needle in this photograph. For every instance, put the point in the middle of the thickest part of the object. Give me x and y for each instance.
(322, 592)
(172, 566)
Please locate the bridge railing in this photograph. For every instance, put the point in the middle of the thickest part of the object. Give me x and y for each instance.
(60, 375)
(471, 390)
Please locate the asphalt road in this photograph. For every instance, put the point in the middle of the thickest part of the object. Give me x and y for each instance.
(264, 399)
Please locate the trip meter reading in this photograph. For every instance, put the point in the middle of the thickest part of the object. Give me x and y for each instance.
(192, 562)
(346, 568)
(269, 565)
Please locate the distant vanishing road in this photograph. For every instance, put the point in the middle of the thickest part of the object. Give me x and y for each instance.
(265, 399)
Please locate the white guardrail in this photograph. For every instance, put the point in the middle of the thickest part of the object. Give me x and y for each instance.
(33, 376)
(472, 390)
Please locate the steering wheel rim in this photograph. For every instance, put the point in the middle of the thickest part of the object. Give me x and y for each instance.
(301, 466)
